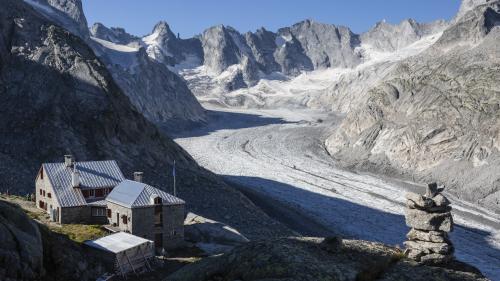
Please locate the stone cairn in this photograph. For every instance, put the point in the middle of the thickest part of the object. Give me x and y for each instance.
(429, 217)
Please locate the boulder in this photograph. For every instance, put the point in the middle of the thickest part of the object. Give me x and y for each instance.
(429, 236)
(429, 247)
(435, 258)
(419, 201)
(432, 190)
(211, 236)
(440, 201)
(332, 244)
(422, 220)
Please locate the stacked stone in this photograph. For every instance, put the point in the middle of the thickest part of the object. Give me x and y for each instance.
(429, 217)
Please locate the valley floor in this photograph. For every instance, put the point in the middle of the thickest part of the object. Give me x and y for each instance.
(280, 155)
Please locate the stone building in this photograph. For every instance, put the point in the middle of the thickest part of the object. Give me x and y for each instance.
(148, 212)
(74, 192)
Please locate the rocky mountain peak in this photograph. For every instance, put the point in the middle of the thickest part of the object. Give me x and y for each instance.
(114, 34)
(163, 29)
(67, 13)
(468, 5)
(476, 23)
(391, 37)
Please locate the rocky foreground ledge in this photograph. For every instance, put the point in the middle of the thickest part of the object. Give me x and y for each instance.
(30, 251)
(318, 259)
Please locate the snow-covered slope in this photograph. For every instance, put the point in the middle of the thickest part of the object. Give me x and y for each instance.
(160, 94)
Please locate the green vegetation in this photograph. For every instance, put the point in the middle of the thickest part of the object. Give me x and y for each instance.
(80, 232)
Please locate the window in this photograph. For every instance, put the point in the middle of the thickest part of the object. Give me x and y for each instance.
(49, 195)
(44, 193)
(157, 200)
(124, 219)
(158, 216)
(40, 204)
(109, 213)
(41, 174)
(99, 193)
(41, 192)
(98, 212)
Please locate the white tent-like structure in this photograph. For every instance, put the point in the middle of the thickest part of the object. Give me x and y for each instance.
(130, 253)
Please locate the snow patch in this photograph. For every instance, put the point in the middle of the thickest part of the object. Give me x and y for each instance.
(123, 55)
(154, 47)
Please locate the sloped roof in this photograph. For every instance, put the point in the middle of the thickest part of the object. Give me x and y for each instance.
(93, 174)
(117, 242)
(134, 194)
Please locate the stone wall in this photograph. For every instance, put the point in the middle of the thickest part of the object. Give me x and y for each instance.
(143, 222)
(173, 226)
(118, 209)
(79, 214)
(44, 184)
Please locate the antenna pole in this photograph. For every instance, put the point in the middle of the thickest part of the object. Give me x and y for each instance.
(173, 172)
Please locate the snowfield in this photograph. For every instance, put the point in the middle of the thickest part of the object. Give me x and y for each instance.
(280, 154)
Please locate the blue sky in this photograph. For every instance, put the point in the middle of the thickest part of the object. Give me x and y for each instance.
(190, 17)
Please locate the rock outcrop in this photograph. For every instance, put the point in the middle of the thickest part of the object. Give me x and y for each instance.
(30, 251)
(21, 249)
(430, 219)
(317, 259)
(211, 236)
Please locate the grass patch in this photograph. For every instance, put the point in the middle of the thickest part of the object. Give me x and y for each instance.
(80, 232)
(33, 215)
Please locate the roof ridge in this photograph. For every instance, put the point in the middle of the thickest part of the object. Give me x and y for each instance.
(139, 195)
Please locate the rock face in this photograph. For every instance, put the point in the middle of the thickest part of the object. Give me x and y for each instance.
(387, 37)
(157, 92)
(429, 217)
(325, 45)
(310, 259)
(21, 249)
(435, 115)
(29, 251)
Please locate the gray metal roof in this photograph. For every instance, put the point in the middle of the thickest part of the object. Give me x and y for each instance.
(134, 194)
(98, 203)
(118, 242)
(93, 174)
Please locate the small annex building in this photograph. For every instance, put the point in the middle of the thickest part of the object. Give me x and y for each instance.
(74, 192)
(148, 212)
(124, 253)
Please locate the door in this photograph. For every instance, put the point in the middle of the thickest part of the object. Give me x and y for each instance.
(159, 240)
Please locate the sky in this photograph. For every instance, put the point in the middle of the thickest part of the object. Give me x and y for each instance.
(191, 17)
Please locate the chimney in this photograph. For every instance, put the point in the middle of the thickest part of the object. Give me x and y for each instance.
(68, 160)
(138, 176)
(75, 177)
